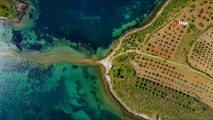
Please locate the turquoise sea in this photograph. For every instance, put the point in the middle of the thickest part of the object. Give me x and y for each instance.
(63, 90)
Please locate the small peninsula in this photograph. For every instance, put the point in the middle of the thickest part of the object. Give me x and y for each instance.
(156, 71)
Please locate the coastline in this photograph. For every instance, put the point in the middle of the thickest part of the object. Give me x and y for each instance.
(145, 23)
(123, 106)
(107, 61)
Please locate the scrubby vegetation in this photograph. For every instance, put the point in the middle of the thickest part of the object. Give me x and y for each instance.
(7, 8)
(186, 43)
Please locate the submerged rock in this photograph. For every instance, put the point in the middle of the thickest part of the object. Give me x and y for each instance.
(17, 38)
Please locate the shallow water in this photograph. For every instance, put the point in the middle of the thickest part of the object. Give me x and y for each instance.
(58, 91)
(90, 24)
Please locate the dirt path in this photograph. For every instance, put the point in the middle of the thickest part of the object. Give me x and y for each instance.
(107, 62)
(169, 61)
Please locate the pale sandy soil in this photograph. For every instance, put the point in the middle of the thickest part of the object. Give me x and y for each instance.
(165, 42)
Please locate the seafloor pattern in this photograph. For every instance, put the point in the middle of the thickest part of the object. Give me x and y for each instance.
(62, 90)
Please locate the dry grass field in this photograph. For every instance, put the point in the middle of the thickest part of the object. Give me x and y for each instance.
(201, 53)
(165, 41)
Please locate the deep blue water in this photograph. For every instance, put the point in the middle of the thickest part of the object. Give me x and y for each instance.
(93, 23)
